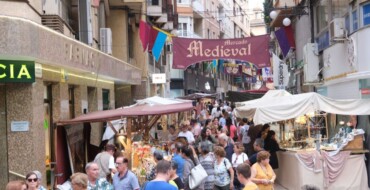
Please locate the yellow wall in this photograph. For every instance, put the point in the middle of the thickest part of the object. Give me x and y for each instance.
(117, 21)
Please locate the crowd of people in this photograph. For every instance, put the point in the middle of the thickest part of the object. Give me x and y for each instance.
(235, 154)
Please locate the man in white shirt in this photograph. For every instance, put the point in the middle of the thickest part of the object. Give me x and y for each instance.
(186, 133)
(105, 161)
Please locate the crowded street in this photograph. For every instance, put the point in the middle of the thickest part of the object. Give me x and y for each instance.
(184, 95)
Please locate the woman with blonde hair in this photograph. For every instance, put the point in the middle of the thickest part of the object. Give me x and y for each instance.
(79, 181)
(262, 173)
(224, 173)
(16, 185)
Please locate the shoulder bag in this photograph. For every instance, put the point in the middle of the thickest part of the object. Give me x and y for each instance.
(197, 175)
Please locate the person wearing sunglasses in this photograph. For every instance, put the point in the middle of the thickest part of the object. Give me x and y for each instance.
(124, 179)
(39, 180)
(31, 180)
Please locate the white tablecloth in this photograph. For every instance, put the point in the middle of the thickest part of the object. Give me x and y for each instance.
(293, 175)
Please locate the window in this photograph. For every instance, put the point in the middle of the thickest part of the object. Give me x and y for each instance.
(183, 28)
(354, 20)
(366, 14)
(321, 16)
(347, 23)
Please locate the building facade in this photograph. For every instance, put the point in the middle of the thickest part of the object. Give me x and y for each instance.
(58, 60)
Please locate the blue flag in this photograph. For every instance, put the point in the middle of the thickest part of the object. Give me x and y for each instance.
(158, 45)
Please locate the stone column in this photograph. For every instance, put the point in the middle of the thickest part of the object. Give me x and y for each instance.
(80, 99)
(60, 102)
(25, 102)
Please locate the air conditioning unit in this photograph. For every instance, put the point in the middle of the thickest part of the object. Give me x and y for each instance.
(106, 40)
(337, 29)
(311, 63)
(52, 7)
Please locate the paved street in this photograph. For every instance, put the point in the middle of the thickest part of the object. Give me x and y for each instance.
(278, 187)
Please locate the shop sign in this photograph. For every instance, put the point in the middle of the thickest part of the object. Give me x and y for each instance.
(20, 126)
(187, 51)
(365, 91)
(247, 70)
(232, 69)
(366, 14)
(159, 78)
(17, 71)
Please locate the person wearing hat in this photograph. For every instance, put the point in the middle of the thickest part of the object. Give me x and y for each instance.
(186, 133)
(105, 161)
(39, 178)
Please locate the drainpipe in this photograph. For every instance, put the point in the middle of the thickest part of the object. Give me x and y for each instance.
(311, 2)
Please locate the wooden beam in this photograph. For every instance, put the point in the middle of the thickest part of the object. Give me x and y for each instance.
(112, 127)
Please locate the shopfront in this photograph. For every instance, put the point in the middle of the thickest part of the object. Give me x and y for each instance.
(46, 77)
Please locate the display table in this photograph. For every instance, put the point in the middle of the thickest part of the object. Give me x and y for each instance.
(293, 175)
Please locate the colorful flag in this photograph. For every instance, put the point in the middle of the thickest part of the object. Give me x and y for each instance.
(152, 37)
(144, 33)
(215, 65)
(285, 38)
(158, 45)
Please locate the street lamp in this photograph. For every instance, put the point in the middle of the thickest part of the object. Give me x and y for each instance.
(287, 12)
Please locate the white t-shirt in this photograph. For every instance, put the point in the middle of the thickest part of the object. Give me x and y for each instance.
(244, 131)
(236, 160)
(214, 112)
(189, 136)
(111, 163)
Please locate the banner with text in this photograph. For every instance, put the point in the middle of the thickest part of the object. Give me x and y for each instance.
(187, 51)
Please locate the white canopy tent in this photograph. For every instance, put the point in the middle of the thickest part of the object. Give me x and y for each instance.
(280, 105)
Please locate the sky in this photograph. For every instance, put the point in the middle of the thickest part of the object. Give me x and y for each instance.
(254, 3)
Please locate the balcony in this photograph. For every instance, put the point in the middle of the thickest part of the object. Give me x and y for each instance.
(183, 2)
(198, 9)
(154, 8)
(288, 3)
(134, 5)
(163, 13)
(292, 7)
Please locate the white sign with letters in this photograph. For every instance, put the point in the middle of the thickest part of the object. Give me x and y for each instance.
(18, 126)
(159, 78)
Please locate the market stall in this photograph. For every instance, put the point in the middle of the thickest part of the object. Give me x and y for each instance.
(239, 96)
(197, 96)
(312, 156)
(136, 121)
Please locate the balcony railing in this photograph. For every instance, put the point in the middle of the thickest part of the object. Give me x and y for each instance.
(288, 3)
(198, 7)
(183, 2)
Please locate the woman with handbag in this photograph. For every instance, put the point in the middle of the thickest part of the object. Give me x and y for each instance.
(190, 162)
(207, 159)
(224, 173)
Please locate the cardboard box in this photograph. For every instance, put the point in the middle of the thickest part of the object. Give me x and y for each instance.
(356, 144)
